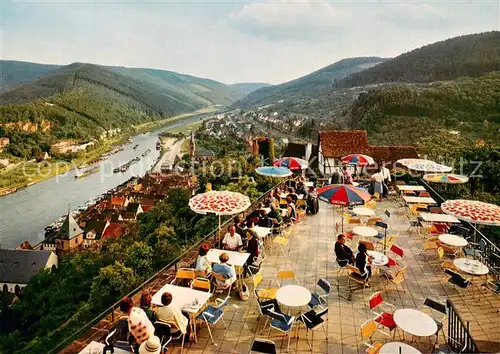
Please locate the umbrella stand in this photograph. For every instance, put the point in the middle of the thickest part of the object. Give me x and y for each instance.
(219, 232)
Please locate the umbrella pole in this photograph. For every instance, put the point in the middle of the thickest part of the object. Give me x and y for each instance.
(342, 219)
(219, 231)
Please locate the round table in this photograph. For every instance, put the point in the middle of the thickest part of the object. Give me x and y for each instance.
(365, 231)
(415, 322)
(453, 240)
(471, 266)
(379, 259)
(393, 348)
(361, 211)
(293, 296)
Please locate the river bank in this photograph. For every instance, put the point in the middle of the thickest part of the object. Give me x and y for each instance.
(28, 173)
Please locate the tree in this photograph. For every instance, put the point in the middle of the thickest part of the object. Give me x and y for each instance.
(139, 258)
(111, 283)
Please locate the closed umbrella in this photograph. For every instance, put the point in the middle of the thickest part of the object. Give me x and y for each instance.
(219, 203)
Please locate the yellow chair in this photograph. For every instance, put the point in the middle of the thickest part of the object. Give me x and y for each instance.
(281, 242)
(263, 293)
(301, 203)
(372, 204)
(184, 275)
(389, 241)
(373, 220)
(202, 284)
(429, 245)
(368, 329)
(353, 274)
(398, 277)
(286, 274)
(450, 265)
(440, 252)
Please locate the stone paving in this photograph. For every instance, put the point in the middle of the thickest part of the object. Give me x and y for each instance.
(311, 256)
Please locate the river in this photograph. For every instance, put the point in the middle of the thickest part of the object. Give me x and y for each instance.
(25, 214)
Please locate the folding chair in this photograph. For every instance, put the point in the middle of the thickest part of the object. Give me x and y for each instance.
(320, 299)
(384, 318)
(202, 284)
(389, 242)
(368, 329)
(398, 251)
(183, 276)
(459, 281)
(312, 320)
(397, 278)
(263, 346)
(286, 274)
(355, 275)
(163, 330)
(435, 308)
(282, 323)
(263, 293)
(281, 242)
(221, 283)
(266, 306)
(212, 314)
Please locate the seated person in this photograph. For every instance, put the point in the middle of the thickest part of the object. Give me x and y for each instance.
(225, 270)
(291, 194)
(240, 225)
(275, 216)
(232, 240)
(343, 253)
(291, 214)
(145, 303)
(139, 325)
(171, 313)
(265, 221)
(363, 261)
(252, 247)
(202, 263)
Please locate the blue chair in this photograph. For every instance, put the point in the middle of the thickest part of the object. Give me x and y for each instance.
(212, 314)
(475, 250)
(319, 299)
(313, 319)
(282, 323)
(266, 306)
(459, 281)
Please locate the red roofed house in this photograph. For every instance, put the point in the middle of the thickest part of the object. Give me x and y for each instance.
(119, 201)
(114, 229)
(334, 144)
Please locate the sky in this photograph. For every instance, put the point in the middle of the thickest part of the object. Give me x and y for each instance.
(232, 41)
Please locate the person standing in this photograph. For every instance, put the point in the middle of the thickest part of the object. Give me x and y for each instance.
(378, 183)
(347, 175)
(386, 174)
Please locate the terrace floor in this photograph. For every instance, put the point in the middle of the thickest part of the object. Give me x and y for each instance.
(311, 256)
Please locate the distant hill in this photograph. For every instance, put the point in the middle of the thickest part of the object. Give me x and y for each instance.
(471, 55)
(404, 114)
(246, 88)
(15, 72)
(310, 84)
(80, 101)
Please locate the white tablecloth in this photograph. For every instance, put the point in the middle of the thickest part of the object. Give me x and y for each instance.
(393, 348)
(453, 240)
(418, 200)
(415, 322)
(471, 266)
(363, 211)
(262, 231)
(293, 296)
(235, 258)
(365, 231)
(96, 348)
(183, 297)
(379, 259)
(433, 217)
(410, 188)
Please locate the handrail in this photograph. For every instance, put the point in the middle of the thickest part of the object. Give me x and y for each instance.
(459, 338)
(491, 251)
(174, 263)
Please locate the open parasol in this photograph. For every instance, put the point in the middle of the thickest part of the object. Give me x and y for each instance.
(272, 171)
(357, 160)
(448, 178)
(219, 203)
(292, 163)
(429, 166)
(406, 162)
(473, 211)
(343, 195)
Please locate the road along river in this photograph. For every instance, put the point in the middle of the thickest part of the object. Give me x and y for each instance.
(25, 214)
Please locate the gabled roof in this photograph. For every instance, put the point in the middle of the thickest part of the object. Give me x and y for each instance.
(113, 230)
(133, 207)
(118, 200)
(338, 143)
(96, 225)
(69, 229)
(25, 246)
(147, 201)
(390, 154)
(18, 266)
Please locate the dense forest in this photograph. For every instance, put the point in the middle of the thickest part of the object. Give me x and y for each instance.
(471, 55)
(405, 114)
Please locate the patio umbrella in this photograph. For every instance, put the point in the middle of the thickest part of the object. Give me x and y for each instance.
(271, 171)
(343, 195)
(219, 203)
(429, 166)
(406, 162)
(446, 178)
(292, 163)
(357, 160)
(473, 211)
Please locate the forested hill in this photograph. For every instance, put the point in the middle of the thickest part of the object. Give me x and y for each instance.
(308, 85)
(246, 88)
(405, 114)
(471, 55)
(15, 72)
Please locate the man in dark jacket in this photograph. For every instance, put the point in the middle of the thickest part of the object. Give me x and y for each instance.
(344, 254)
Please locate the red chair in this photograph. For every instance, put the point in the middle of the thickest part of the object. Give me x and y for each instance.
(384, 318)
(397, 250)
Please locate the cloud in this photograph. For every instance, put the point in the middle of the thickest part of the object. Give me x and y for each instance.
(290, 20)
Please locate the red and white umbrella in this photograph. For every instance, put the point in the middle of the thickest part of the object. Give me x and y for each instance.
(357, 160)
(473, 211)
(292, 163)
(219, 203)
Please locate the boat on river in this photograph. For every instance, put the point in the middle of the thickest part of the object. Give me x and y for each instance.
(146, 153)
(127, 165)
(135, 146)
(87, 172)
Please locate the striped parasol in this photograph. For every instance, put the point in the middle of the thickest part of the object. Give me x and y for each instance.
(357, 160)
(292, 163)
(343, 194)
(272, 171)
(449, 178)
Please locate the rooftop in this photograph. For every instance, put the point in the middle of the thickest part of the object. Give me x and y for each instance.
(18, 266)
(310, 254)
